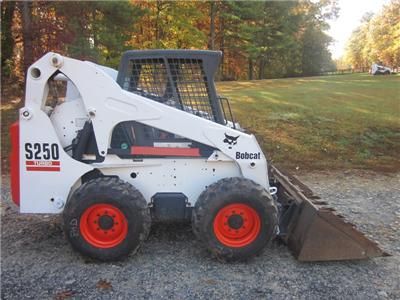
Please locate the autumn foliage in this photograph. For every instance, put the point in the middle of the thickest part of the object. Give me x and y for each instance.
(377, 39)
(259, 39)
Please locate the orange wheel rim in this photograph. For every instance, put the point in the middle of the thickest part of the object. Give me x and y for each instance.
(237, 225)
(103, 226)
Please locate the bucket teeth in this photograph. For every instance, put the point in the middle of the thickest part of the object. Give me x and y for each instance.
(316, 232)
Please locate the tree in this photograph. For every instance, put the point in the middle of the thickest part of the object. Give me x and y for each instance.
(377, 39)
(7, 43)
(277, 38)
(27, 30)
(213, 12)
(100, 30)
(316, 58)
(172, 25)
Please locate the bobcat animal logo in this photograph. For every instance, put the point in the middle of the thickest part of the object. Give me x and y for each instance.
(230, 140)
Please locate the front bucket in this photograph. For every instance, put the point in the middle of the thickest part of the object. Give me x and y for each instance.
(315, 232)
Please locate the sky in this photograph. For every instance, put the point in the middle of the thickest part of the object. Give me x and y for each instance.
(351, 12)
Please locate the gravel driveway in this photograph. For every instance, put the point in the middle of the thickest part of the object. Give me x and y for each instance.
(37, 262)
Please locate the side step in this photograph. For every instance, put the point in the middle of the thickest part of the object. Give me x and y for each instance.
(314, 231)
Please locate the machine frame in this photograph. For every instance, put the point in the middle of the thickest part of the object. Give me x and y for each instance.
(106, 104)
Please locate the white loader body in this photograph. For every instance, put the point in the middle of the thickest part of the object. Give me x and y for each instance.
(380, 70)
(48, 173)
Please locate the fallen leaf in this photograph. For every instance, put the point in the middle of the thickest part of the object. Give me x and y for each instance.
(210, 281)
(64, 295)
(103, 284)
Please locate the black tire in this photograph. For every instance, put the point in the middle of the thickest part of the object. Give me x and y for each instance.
(222, 195)
(107, 192)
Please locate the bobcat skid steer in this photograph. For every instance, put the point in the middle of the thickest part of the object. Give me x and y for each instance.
(152, 143)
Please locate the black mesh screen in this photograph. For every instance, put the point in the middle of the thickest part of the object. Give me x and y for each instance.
(191, 85)
(180, 83)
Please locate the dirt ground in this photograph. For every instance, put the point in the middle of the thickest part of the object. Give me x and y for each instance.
(38, 263)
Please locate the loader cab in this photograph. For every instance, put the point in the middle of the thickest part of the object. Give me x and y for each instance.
(183, 79)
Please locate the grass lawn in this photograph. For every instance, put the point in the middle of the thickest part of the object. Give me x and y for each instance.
(330, 122)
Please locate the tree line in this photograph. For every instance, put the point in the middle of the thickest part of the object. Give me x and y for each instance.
(259, 39)
(377, 39)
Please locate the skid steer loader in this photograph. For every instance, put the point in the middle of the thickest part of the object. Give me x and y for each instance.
(154, 142)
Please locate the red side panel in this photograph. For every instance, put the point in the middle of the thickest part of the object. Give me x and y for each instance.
(14, 162)
(165, 151)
